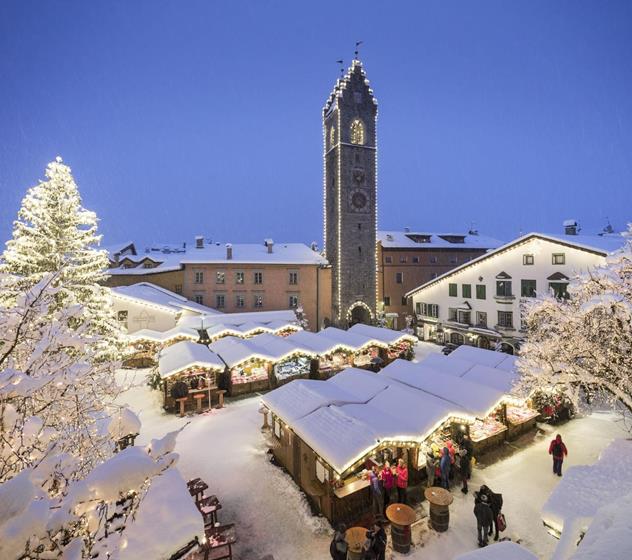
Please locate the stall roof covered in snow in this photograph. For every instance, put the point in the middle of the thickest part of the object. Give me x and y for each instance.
(478, 355)
(164, 336)
(351, 340)
(586, 488)
(505, 550)
(149, 294)
(419, 240)
(236, 319)
(321, 345)
(478, 400)
(387, 336)
(186, 354)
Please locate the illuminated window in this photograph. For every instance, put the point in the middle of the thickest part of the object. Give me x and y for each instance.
(357, 132)
(332, 136)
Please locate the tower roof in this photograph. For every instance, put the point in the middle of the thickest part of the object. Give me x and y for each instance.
(356, 68)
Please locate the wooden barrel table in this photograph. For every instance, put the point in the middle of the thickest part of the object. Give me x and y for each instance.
(355, 537)
(439, 500)
(401, 517)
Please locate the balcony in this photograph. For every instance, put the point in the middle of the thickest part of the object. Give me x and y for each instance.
(505, 299)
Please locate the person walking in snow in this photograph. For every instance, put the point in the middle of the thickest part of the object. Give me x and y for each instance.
(402, 481)
(558, 450)
(495, 502)
(444, 465)
(388, 481)
(483, 514)
(338, 547)
(431, 465)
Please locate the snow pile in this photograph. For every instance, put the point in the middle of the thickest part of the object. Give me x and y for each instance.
(584, 490)
(506, 550)
(167, 520)
(123, 423)
(610, 534)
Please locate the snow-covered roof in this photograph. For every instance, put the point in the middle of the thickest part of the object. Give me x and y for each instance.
(476, 399)
(321, 345)
(183, 355)
(505, 550)
(237, 319)
(447, 364)
(278, 347)
(387, 336)
(216, 253)
(351, 340)
(599, 244)
(393, 239)
(149, 294)
(584, 489)
(119, 249)
(478, 355)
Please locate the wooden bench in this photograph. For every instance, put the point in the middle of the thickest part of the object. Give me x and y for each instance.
(219, 542)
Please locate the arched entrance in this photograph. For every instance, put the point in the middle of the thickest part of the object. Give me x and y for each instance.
(507, 348)
(457, 338)
(483, 342)
(359, 312)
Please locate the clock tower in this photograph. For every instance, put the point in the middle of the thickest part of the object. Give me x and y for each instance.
(350, 196)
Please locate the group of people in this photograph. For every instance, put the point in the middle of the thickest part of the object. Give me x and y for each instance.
(374, 547)
(383, 481)
(444, 464)
(487, 510)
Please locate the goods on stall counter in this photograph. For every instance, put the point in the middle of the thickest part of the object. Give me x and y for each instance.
(299, 366)
(519, 414)
(255, 374)
(483, 429)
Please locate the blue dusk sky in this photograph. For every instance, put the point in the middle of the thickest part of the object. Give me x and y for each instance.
(199, 117)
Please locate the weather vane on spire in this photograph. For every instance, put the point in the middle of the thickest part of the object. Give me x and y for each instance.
(357, 49)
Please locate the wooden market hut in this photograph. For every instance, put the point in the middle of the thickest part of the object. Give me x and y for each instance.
(195, 369)
(399, 344)
(331, 356)
(142, 348)
(364, 348)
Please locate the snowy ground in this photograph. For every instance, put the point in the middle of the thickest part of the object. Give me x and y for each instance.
(227, 450)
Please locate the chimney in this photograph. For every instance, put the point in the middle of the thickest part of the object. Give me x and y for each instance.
(229, 251)
(406, 229)
(184, 245)
(199, 242)
(314, 246)
(571, 227)
(269, 244)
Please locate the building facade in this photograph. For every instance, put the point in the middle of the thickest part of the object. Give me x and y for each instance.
(407, 259)
(237, 278)
(479, 302)
(350, 196)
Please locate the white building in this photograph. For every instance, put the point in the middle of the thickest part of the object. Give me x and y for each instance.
(479, 302)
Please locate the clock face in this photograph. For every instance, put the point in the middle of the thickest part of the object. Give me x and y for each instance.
(359, 201)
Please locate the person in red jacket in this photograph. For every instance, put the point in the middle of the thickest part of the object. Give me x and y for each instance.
(386, 476)
(559, 451)
(402, 481)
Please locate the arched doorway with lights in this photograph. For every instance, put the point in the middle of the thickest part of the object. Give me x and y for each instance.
(359, 312)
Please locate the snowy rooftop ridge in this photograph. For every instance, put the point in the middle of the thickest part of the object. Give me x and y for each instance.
(151, 294)
(396, 239)
(183, 355)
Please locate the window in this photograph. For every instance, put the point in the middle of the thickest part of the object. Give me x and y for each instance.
(416, 260)
(359, 250)
(559, 258)
(481, 319)
(505, 319)
(503, 288)
(148, 265)
(198, 298)
(293, 278)
(239, 277)
(220, 277)
(258, 277)
(122, 318)
(481, 291)
(404, 301)
(428, 310)
(293, 302)
(332, 136)
(434, 260)
(177, 288)
(527, 288)
(399, 277)
(559, 289)
(452, 290)
(357, 132)
(199, 278)
(451, 314)
(454, 259)
(464, 316)
(466, 290)
(433, 275)
(258, 301)
(359, 227)
(403, 260)
(322, 474)
(527, 259)
(387, 301)
(220, 300)
(418, 308)
(388, 260)
(240, 301)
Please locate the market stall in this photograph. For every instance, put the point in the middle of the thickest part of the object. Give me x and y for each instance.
(365, 349)
(291, 360)
(189, 374)
(143, 347)
(249, 366)
(399, 344)
(330, 356)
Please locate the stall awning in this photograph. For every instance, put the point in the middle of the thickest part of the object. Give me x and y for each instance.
(387, 336)
(164, 336)
(350, 339)
(186, 354)
(318, 344)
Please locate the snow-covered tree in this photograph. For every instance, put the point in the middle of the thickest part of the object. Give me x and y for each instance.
(581, 346)
(55, 234)
(301, 317)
